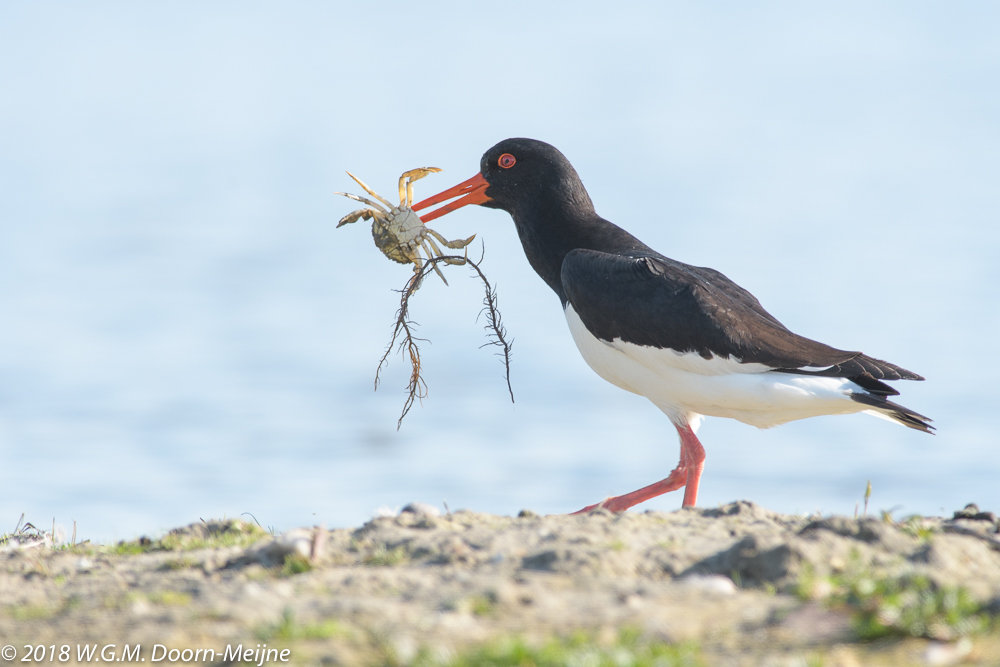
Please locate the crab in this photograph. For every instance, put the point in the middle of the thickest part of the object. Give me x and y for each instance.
(399, 232)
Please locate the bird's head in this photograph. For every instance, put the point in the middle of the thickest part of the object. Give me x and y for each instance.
(514, 175)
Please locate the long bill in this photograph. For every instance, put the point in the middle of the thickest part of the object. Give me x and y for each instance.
(472, 191)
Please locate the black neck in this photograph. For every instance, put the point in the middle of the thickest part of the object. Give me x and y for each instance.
(549, 233)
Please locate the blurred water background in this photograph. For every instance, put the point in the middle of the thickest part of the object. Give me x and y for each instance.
(184, 333)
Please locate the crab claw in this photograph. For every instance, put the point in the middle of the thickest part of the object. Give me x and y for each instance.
(354, 216)
(406, 183)
(417, 174)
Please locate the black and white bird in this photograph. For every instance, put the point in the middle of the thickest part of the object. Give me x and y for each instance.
(687, 338)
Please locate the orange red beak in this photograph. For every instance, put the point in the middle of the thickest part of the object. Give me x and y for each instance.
(472, 191)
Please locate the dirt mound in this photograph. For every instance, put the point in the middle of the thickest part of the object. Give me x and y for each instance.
(734, 585)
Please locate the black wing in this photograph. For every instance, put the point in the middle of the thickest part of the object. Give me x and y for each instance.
(655, 301)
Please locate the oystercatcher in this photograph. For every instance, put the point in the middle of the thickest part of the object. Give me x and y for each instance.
(687, 338)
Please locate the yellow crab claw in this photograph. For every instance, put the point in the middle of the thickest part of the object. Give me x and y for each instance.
(417, 174)
(406, 183)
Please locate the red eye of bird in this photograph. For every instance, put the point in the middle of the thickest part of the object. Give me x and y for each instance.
(506, 161)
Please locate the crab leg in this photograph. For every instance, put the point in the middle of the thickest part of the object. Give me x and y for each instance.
(454, 261)
(369, 190)
(364, 201)
(451, 244)
(431, 255)
(437, 250)
(455, 245)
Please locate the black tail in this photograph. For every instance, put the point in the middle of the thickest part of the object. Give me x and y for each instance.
(895, 412)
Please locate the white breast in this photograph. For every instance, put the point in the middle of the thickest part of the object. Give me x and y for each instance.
(686, 385)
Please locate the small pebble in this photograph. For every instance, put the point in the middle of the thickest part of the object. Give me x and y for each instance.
(422, 509)
(140, 607)
(297, 541)
(710, 583)
(971, 511)
(939, 654)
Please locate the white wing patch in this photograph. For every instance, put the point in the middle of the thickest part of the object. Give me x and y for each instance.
(692, 362)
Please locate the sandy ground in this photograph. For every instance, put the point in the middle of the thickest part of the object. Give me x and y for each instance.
(734, 585)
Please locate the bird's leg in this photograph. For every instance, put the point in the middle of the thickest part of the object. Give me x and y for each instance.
(686, 474)
(693, 459)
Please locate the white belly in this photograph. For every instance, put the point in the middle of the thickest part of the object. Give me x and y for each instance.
(687, 385)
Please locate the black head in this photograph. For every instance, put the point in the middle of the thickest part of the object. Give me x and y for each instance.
(526, 174)
(551, 209)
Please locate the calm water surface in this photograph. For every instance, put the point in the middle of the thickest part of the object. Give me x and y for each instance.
(185, 335)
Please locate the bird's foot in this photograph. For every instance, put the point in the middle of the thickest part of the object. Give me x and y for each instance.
(676, 480)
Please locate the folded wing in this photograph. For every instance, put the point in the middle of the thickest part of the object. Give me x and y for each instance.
(655, 301)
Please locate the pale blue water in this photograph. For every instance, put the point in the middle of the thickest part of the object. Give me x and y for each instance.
(184, 334)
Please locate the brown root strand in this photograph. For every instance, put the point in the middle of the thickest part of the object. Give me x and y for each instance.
(496, 333)
(403, 338)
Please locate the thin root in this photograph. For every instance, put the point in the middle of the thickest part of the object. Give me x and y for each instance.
(403, 338)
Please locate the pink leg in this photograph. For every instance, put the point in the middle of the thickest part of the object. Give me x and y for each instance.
(693, 455)
(686, 474)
